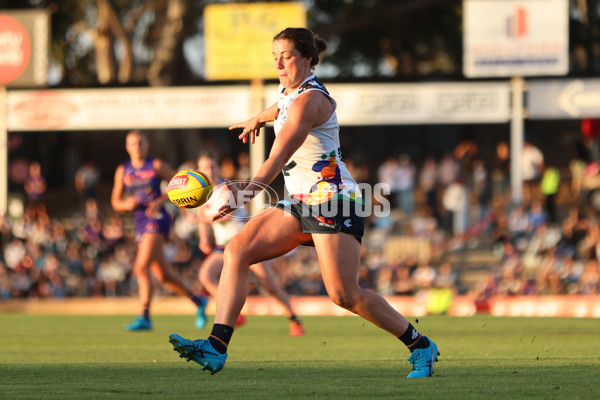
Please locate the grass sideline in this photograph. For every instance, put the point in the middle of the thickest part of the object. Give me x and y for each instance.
(92, 357)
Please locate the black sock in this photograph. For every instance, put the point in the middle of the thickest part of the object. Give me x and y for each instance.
(146, 313)
(197, 300)
(220, 336)
(413, 339)
(293, 318)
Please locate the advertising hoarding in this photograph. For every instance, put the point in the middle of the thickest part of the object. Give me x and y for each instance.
(504, 38)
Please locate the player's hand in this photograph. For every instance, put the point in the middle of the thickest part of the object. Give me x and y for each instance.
(223, 213)
(130, 203)
(250, 127)
(229, 201)
(153, 208)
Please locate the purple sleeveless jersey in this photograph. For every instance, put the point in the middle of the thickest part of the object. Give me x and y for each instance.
(143, 184)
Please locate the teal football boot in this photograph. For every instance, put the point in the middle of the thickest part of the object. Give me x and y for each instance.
(199, 351)
(140, 324)
(422, 361)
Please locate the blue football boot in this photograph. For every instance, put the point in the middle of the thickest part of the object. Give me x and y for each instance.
(422, 361)
(199, 351)
(140, 324)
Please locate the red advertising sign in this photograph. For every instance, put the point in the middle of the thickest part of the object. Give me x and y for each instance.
(15, 49)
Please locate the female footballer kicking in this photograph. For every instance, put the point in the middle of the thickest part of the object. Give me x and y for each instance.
(322, 210)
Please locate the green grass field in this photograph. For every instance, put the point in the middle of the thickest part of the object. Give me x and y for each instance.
(86, 357)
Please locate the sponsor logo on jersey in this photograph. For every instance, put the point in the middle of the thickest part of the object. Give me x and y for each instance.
(145, 174)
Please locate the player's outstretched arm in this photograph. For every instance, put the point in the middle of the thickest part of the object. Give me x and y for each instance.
(253, 125)
(301, 118)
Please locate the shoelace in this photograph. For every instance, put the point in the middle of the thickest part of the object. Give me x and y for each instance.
(197, 347)
(417, 361)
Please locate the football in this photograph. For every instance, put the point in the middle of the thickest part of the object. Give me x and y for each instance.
(189, 188)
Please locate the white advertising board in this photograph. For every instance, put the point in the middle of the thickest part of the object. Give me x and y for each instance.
(564, 99)
(191, 107)
(505, 38)
(425, 103)
(131, 108)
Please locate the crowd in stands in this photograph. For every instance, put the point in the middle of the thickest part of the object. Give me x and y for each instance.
(439, 206)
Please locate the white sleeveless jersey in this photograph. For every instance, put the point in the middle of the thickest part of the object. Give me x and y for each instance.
(316, 173)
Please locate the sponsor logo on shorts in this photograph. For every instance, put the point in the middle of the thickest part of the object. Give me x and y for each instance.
(327, 222)
(348, 223)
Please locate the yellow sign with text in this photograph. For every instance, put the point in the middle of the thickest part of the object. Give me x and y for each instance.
(238, 37)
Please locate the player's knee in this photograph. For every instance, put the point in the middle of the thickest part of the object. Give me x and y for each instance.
(161, 276)
(343, 299)
(269, 289)
(235, 251)
(202, 277)
(206, 277)
(140, 269)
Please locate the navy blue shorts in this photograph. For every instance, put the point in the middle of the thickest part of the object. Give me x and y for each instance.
(335, 216)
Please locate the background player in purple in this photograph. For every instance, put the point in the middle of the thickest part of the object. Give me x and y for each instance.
(137, 189)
